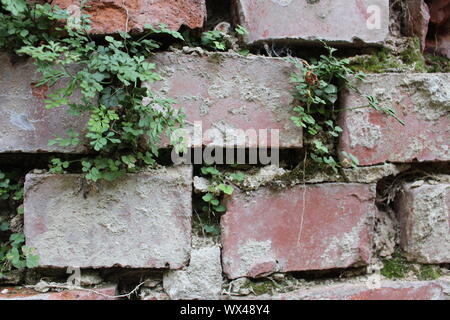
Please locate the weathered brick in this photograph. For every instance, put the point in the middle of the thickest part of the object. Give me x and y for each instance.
(100, 293)
(422, 101)
(372, 174)
(387, 290)
(228, 91)
(154, 296)
(202, 279)
(424, 214)
(25, 124)
(439, 40)
(417, 20)
(324, 226)
(112, 16)
(339, 21)
(139, 221)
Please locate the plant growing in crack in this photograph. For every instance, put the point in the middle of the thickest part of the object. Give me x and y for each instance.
(13, 251)
(398, 267)
(219, 40)
(213, 200)
(126, 120)
(317, 87)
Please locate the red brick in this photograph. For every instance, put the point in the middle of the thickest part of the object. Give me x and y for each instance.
(433, 15)
(142, 220)
(424, 214)
(229, 91)
(440, 11)
(112, 16)
(422, 101)
(261, 231)
(388, 290)
(101, 293)
(25, 124)
(439, 40)
(339, 21)
(417, 20)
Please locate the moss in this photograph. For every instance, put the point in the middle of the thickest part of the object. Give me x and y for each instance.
(262, 286)
(378, 62)
(407, 58)
(397, 267)
(437, 63)
(429, 272)
(412, 55)
(312, 170)
(272, 285)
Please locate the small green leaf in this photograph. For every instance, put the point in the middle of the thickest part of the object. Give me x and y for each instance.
(220, 208)
(226, 189)
(16, 239)
(207, 197)
(32, 261)
(241, 30)
(4, 226)
(238, 176)
(214, 230)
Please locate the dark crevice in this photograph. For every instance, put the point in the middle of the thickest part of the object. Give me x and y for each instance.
(388, 187)
(218, 11)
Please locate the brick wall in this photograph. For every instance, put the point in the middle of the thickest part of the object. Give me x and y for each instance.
(326, 236)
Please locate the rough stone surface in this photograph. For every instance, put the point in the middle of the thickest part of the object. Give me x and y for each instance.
(264, 175)
(424, 215)
(141, 221)
(25, 125)
(417, 19)
(90, 278)
(373, 174)
(201, 185)
(228, 92)
(278, 20)
(422, 101)
(387, 290)
(321, 227)
(385, 238)
(101, 293)
(148, 294)
(202, 279)
(112, 16)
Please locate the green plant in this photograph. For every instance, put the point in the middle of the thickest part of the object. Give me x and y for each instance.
(261, 286)
(13, 252)
(9, 189)
(126, 120)
(22, 23)
(406, 57)
(437, 63)
(398, 268)
(216, 40)
(218, 187)
(428, 272)
(317, 86)
(213, 40)
(395, 268)
(240, 30)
